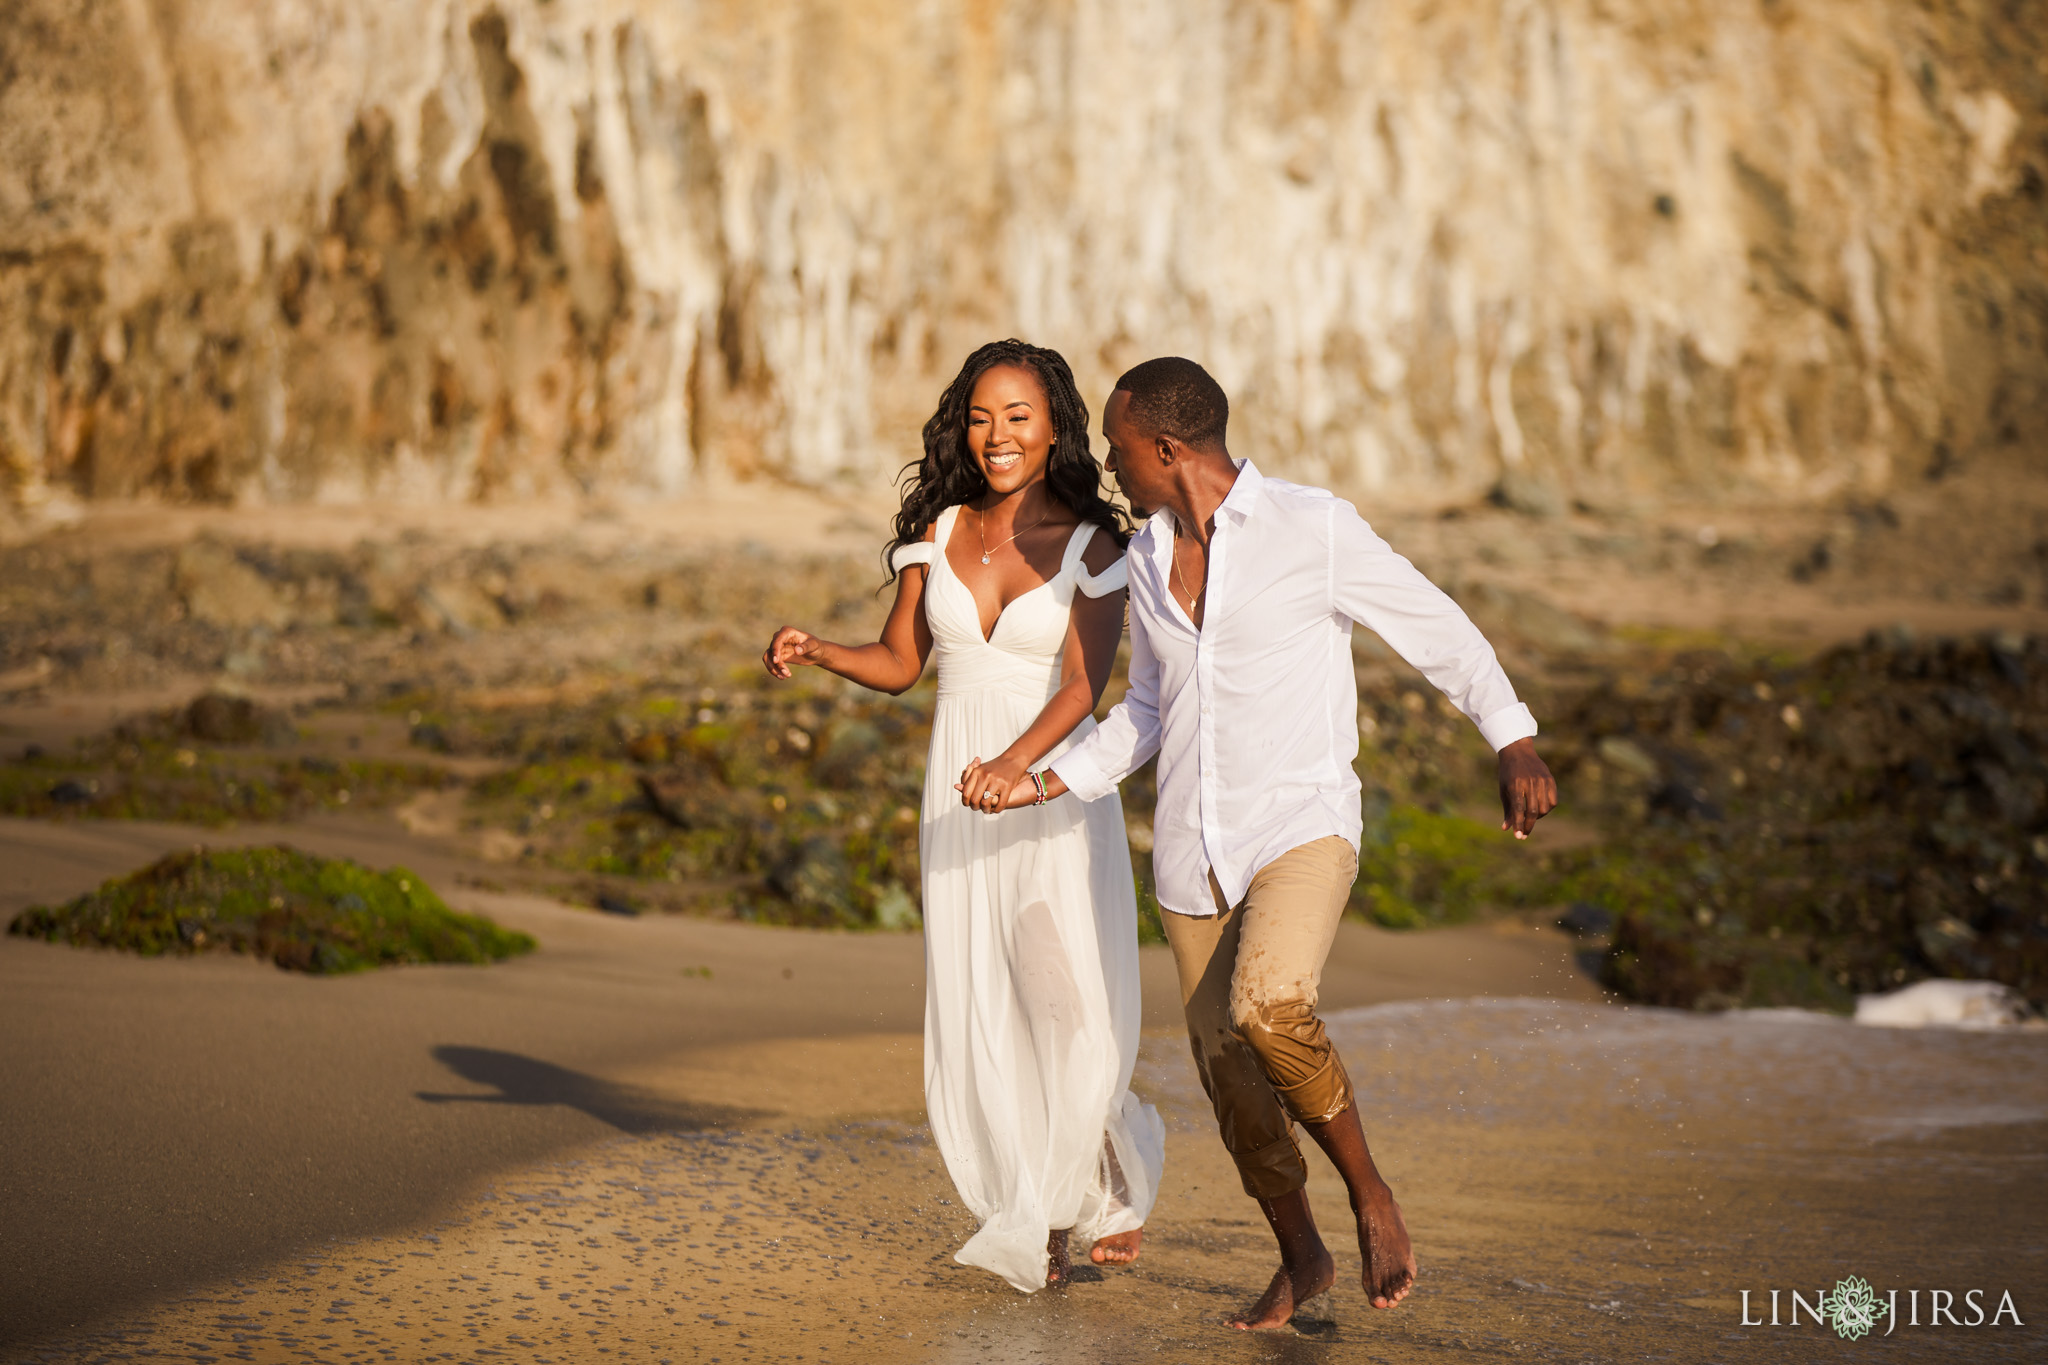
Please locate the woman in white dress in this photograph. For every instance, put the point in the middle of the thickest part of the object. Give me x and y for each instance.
(1008, 564)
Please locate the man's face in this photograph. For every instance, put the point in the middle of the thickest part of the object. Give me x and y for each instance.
(1133, 458)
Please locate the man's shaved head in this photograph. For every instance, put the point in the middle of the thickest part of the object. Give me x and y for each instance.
(1174, 397)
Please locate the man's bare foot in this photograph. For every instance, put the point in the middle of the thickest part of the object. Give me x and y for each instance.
(1382, 1233)
(1383, 1242)
(1291, 1288)
(1119, 1248)
(1059, 1268)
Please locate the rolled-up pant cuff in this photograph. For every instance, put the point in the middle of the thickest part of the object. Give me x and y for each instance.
(1273, 1170)
(1321, 1097)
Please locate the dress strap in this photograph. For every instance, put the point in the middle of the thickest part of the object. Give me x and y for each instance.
(1092, 585)
(916, 552)
(1116, 576)
(1077, 545)
(925, 552)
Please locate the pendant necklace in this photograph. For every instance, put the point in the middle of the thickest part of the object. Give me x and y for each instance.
(983, 538)
(1179, 577)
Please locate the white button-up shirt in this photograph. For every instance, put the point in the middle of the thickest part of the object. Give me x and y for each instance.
(1255, 716)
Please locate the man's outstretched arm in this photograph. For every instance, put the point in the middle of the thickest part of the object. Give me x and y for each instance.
(1386, 594)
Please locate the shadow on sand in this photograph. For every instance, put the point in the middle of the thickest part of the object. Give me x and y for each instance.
(528, 1081)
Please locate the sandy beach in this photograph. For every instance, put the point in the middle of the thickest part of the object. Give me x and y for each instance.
(233, 1116)
(577, 1158)
(683, 1136)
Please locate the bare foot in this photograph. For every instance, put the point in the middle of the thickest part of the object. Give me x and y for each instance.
(1383, 1242)
(1119, 1248)
(1059, 1268)
(1291, 1288)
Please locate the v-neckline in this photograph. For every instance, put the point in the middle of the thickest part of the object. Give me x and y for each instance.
(1004, 610)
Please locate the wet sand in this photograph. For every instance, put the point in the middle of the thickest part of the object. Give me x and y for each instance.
(1583, 1182)
(174, 1122)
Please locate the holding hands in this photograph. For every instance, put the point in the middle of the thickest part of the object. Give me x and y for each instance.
(996, 785)
(1004, 784)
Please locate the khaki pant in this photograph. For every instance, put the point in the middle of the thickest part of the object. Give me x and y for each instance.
(1248, 982)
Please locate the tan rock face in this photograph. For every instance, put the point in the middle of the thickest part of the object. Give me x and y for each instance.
(316, 250)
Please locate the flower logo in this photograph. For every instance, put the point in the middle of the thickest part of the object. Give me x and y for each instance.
(1852, 1309)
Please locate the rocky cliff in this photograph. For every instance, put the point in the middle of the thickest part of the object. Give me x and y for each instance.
(308, 249)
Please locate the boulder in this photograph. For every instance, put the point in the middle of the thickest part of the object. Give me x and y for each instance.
(219, 589)
(1946, 1004)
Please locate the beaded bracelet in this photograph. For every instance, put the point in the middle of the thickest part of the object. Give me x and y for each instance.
(1038, 781)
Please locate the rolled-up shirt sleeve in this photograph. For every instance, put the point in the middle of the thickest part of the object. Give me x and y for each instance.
(1380, 590)
(1127, 737)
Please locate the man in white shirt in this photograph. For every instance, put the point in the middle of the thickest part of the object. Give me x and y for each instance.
(1243, 593)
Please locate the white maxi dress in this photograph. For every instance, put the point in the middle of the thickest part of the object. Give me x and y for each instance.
(1031, 950)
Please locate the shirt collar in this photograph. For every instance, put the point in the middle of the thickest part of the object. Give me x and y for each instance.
(1242, 501)
(1244, 494)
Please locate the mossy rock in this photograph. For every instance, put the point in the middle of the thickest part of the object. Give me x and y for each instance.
(1661, 958)
(305, 913)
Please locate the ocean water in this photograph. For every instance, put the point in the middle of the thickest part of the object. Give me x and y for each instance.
(1598, 1183)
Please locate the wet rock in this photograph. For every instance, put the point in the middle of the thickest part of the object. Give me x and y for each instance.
(432, 735)
(895, 909)
(215, 718)
(1686, 800)
(1585, 920)
(1628, 756)
(1533, 495)
(1947, 941)
(219, 589)
(1946, 1004)
(816, 877)
(847, 748)
(689, 795)
(459, 606)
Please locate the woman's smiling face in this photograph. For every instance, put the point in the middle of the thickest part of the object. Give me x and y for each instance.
(1009, 428)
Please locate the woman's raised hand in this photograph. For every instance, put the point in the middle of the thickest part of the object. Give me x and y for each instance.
(791, 646)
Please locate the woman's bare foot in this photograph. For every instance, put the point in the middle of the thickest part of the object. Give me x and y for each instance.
(1059, 1268)
(1119, 1248)
(1383, 1242)
(1291, 1288)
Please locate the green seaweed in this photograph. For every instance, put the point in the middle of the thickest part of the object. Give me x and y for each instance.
(1417, 867)
(305, 913)
(116, 778)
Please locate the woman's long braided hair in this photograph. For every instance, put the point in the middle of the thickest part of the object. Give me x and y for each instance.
(948, 474)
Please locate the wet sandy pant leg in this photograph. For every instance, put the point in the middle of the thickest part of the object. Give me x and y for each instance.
(1254, 1127)
(1286, 924)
